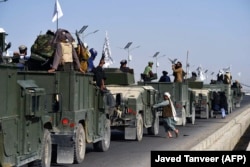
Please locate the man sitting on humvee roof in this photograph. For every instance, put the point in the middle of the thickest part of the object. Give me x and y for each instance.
(124, 67)
(193, 77)
(21, 57)
(148, 74)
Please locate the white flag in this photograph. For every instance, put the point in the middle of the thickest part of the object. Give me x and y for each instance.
(106, 52)
(201, 76)
(57, 11)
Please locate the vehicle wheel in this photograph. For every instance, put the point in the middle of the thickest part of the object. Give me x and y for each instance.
(193, 114)
(189, 119)
(46, 152)
(237, 104)
(104, 144)
(230, 109)
(79, 145)
(184, 119)
(139, 128)
(154, 129)
(211, 115)
(192, 118)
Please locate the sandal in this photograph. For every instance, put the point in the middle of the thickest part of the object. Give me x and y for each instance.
(176, 133)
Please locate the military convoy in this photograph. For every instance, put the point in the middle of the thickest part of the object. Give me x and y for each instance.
(194, 99)
(206, 96)
(50, 117)
(55, 119)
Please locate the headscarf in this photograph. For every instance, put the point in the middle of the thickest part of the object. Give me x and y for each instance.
(62, 35)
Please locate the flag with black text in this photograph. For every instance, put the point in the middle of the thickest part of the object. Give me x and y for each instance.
(106, 52)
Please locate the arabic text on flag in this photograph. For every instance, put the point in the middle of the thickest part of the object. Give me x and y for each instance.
(106, 53)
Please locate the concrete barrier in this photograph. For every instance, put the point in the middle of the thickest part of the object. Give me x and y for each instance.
(227, 136)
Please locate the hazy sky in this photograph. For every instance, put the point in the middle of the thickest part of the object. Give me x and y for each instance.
(215, 32)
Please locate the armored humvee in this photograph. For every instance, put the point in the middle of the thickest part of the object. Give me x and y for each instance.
(205, 96)
(202, 98)
(24, 124)
(220, 87)
(133, 109)
(79, 112)
(180, 97)
(52, 116)
(63, 109)
(237, 94)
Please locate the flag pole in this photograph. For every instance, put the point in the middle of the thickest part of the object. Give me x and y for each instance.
(187, 66)
(57, 20)
(57, 13)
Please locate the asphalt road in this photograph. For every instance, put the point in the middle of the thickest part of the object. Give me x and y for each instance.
(124, 153)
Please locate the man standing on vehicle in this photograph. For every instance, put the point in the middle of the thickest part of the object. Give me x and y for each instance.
(91, 65)
(164, 77)
(178, 72)
(99, 75)
(65, 54)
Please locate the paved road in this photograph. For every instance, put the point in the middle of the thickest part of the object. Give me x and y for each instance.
(137, 154)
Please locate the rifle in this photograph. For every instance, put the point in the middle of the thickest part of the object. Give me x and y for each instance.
(79, 40)
(82, 52)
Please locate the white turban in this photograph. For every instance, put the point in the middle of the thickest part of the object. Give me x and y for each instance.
(167, 94)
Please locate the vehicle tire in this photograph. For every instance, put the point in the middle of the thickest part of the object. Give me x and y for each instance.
(237, 104)
(79, 145)
(139, 128)
(154, 129)
(191, 119)
(104, 144)
(193, 113)
(230, 110)
(212, 114)
(46, 152)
